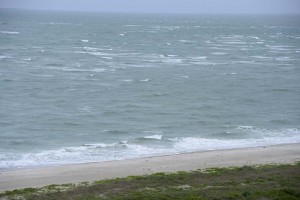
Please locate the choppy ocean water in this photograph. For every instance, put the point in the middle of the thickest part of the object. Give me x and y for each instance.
(86, 87)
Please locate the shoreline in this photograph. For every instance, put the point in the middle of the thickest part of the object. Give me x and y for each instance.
(76, 173)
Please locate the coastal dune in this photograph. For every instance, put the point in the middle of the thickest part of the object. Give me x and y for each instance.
(76, 173)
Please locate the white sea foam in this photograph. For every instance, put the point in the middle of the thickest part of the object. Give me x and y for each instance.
(59, 23)
(145, 80)
(70, 69)
(172, 60)
(97, 70)
(97, 145)
(192, 143)
(131, 25)
(84, 40)
(96, 152)
(283, 58)
(155, 137)
(107, 57)
(10, 32)
(187, 41)
(91, 49)
(128, 80)
(232, 73)
(85, 153)
(220, 48)
(27, 59)
(260, 57)
(254, 37)
(198, 58)
(280, 47)
(219, 53)
(246, 62)
(105, 48)
(245, 127)
(164, 56)
(266, 137)
(43, 75)
(234, 42)
(185, 76)
(4, 57)
(94, 53)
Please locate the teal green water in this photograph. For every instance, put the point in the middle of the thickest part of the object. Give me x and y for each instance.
(85, 87)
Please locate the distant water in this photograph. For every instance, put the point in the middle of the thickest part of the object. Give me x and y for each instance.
(86, 87)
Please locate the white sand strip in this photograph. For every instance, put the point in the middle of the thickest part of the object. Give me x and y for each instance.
(75, 173)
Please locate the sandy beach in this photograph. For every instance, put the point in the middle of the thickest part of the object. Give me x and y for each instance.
(75, 173)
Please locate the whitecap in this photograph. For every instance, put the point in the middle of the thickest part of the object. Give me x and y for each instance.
(172, 60)
(131, 25)
(154, 137)
(260, 57)
(9, 32)
(198, 58)
(27, 59)
(170, 55)
(254, 37)
(57, 23)
(283, 59)
(233, 42)
(43, 75)
(91, 49)
(232, 73)
(186, 41)
(245, 62)
(185, 76)
(107, 57)
(280, 47)
(69, 69)
(220, 48)
(219, 53)
(93, 53)
(84, 40)
(143, 150)
(128, 80)
(4, 57)
(97, 145)
(145, 80)
(98, 70)
(246, 127)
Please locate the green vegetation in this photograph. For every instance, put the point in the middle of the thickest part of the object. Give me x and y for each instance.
(256, 182)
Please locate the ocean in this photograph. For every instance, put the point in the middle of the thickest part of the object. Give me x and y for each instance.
(81, 87)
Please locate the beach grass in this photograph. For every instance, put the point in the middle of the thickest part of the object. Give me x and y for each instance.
(249, 182)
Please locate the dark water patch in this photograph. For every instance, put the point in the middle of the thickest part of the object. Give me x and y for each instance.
(280, 90)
